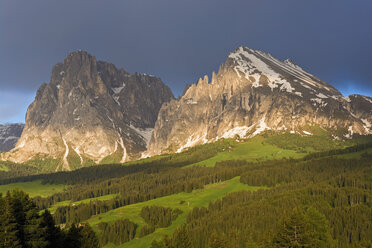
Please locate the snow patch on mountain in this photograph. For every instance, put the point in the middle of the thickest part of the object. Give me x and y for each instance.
(255, 68)
(367, 125)
(321, 95)
(307, 133)
(117, 91)
(318, 102)
(192, 141)
(241, 131)
(145, 133)
(76, 149)
(350, 133)
(262, 126)
(367, 99)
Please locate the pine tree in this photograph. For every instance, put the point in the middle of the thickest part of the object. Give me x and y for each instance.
(10, 228)
(73, 237)
(217, 241)
(318, 228)
(88, 238)
(181, 238)
(157, 244)
(293, 232)
(51, 233)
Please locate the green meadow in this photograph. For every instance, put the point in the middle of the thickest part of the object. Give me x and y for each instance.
(66, 203)
(34, 188)
(254, 149)
(183, 201)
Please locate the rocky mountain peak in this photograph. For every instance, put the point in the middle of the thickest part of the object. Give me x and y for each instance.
(91, 110)
(253, 92)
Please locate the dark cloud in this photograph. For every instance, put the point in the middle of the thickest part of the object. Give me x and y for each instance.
(183, 40)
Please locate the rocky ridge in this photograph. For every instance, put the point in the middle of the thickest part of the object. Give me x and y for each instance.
(90, 110)
(253, 92)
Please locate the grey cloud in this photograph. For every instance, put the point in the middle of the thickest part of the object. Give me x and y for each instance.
(183, 40)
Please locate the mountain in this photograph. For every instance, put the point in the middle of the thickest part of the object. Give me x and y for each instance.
(90, 111)
(253, 92)
(9, 135)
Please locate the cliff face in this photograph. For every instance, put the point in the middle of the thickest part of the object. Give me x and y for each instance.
(253, 92)
(91, 110)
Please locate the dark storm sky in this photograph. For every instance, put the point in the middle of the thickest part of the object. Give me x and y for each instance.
(180, 41)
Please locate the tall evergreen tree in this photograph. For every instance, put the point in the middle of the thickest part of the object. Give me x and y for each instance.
(73, 237)
(181, 238)
(51, 233)
(88, 237)
(318, 228)
(217, 241)
(293, 232)
(9, 237)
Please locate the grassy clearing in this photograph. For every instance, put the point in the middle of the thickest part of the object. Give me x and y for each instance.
(354, 155)
(254, 149)
(34, 188)
(197, 198)
(3, 167)
(66, 203)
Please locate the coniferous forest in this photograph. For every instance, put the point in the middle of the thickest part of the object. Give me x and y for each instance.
(320, 200)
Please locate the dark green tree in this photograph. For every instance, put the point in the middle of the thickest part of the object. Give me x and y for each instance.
(157, 244)
(9, 236)
(293, 232)
(217, 241)
(73, 237)
(318, 228)
(181, 238)
(51, 233)
(88, 237)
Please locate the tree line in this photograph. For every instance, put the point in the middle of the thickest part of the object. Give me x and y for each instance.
(21, 226)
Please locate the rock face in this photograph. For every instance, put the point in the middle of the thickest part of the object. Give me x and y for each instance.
(9, 135)
(253, 92)
(90, 110)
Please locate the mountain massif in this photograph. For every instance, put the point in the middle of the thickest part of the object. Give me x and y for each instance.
(253, 92)
(9, 135)
(90, 111)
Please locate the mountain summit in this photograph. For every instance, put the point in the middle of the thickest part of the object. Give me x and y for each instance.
(253, 92)
(90, 111)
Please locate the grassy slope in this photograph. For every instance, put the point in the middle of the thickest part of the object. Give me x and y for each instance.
(354, 155)
(197, 198)
(34, 188)
(3, 167)
(66, 203)
(254, 149)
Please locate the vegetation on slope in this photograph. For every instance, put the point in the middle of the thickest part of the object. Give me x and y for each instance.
(327, 192)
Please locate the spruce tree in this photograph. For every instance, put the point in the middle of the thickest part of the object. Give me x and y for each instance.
(217, 241)
(318, 228)
(88, 238)
(73, 237)
(293, 232)
(51, 233)
(181, 238)
(10, 228)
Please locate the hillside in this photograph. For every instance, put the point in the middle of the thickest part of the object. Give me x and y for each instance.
(241, 189)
